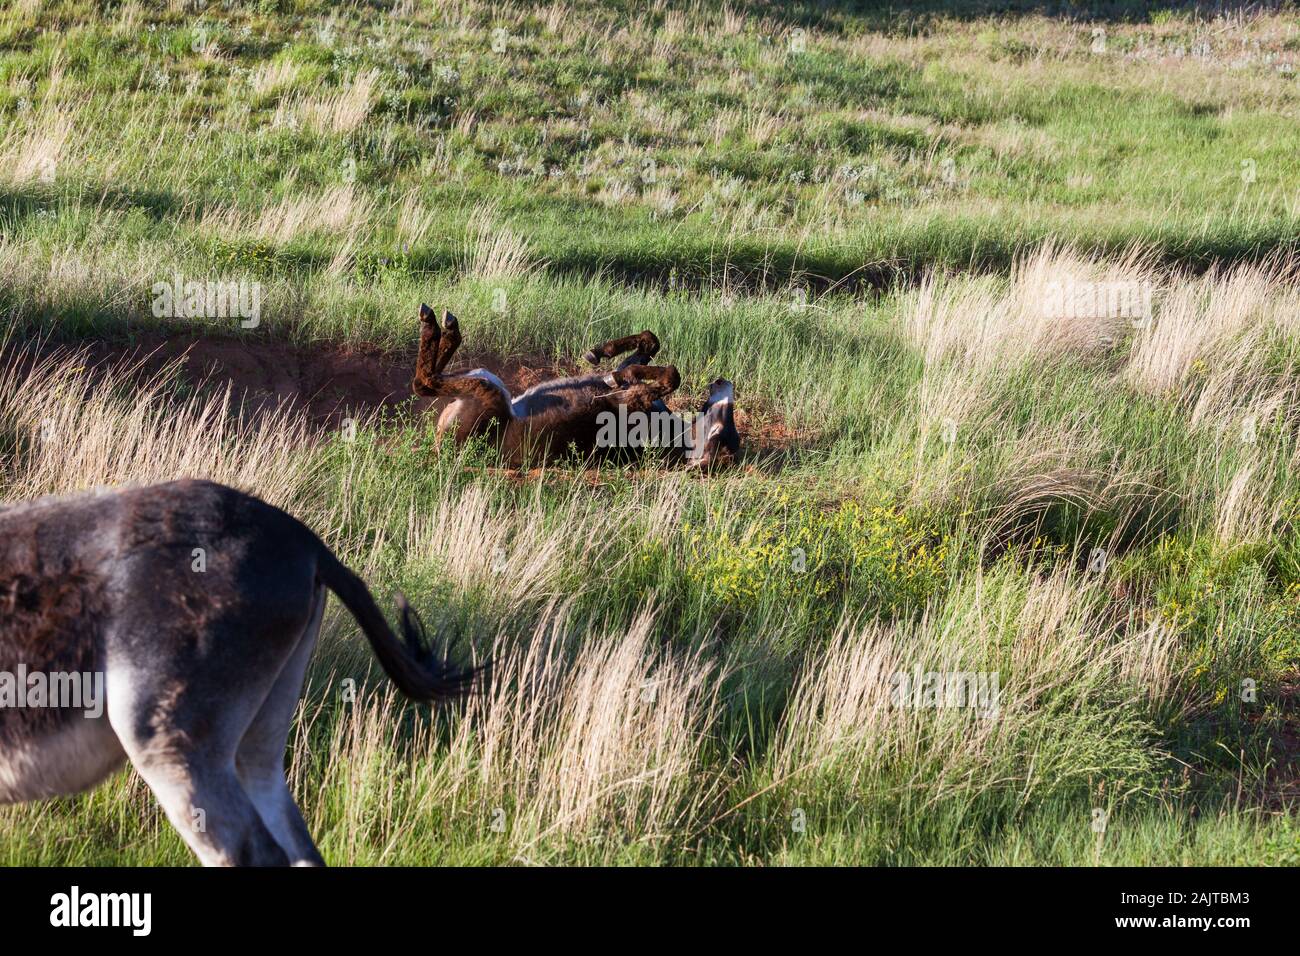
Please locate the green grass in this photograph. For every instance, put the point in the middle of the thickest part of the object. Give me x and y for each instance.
(853, 224)
(656, 152)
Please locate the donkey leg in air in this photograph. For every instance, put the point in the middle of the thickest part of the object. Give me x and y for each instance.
(644, 347)
(436, 348)
(478, 402)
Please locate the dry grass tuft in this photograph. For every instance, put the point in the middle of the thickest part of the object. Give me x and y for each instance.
(344, 111)
(414, 220)
(35, 155)
(273, 76)
(605, 739)
(337, 209)
(844, 721)
(493, 251)
(1057, 304)
(1216, 320)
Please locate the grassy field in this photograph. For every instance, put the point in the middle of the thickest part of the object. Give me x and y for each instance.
(1008, 293)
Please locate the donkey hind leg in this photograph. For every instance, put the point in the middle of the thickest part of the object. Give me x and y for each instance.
(184, 747)
(437, 346)
(449, 340)
(259, 761)
(204, 799)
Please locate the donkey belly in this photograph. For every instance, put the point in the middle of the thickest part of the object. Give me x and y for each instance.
(58, 761)
(450, 416)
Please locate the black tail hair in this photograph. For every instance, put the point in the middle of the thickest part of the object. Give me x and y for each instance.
(411, 663)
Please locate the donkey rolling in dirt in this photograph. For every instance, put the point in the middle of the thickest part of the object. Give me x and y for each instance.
(584, 412)
(195, 609)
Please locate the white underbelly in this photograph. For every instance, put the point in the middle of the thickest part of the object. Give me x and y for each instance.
(450, 417)
(68, 761)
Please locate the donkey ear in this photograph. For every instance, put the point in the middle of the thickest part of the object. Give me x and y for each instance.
(426, 313)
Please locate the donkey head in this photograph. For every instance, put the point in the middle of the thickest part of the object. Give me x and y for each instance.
(716, 440)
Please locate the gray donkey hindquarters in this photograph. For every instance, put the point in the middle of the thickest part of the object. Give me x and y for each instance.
(195, 609)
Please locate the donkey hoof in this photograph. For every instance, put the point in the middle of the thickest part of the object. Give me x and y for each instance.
(591, 357)
(449, 321)
(426, 314)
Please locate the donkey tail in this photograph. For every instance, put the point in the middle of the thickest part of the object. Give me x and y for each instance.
(411, 663)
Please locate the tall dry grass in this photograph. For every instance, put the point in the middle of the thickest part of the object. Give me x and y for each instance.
(605, 740)
(71, 429)
(273, 76)
(34, 152)
(1058, 303)
(1066, 690)
(340, 112)
(494, 251)
(340, 208)
(1220, 317)
(1208, 346)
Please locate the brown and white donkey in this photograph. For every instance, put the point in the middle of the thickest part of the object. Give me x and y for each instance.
(620, 412)
(171, 625)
